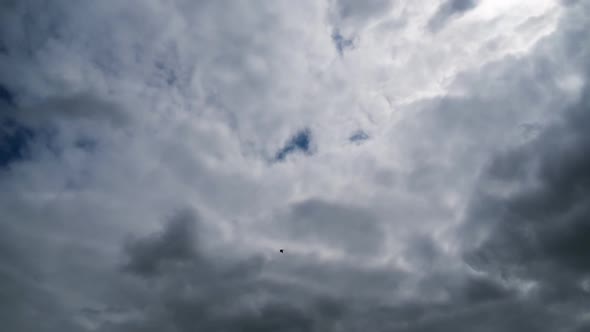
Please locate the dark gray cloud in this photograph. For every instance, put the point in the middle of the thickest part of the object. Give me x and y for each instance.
(529, 219)
(75, 107)
(6, 97)
(200, 288)
(351, 228)
(534, 203)
(448, 10)
(53, 126)
(362, 10)
(176, 245)
(26, 304)
(195, 288)
(349, 18)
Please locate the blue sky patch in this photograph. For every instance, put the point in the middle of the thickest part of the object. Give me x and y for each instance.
(358, 136)
(14, 142)
(6, 96)
(340, 42)
(299, 142)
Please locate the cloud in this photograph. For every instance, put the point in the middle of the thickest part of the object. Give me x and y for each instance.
(199, 288)
(347, 13)
(528, 219)
(449, 9)
(353, 229)
(6, 96)
(157, 154)
(175, 245)
(537, 224)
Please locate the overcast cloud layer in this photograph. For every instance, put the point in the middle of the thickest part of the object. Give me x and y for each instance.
(424, 165)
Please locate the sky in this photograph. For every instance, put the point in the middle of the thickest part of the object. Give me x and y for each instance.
(423, 164)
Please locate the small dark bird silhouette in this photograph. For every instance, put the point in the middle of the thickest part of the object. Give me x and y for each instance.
(281, 250)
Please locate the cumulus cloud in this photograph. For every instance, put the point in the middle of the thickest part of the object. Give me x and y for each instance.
(423, 166)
